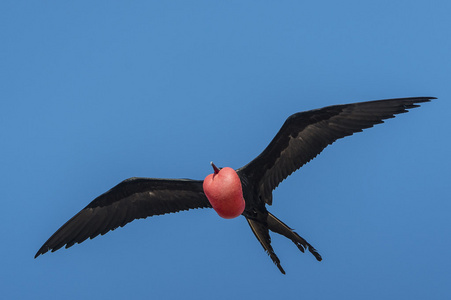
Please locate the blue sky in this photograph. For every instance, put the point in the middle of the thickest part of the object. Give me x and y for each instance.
(96, 92)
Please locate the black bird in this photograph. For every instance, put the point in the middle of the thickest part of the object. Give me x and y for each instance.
(302, 137)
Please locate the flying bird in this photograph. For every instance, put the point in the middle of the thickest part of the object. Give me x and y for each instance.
(245, 191)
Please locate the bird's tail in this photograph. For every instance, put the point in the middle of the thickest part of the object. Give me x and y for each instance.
(279, 227)
(262, 233)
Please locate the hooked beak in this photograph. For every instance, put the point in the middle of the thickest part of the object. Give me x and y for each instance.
(214, 168)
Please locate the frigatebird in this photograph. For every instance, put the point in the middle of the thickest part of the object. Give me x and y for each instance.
(245, 191)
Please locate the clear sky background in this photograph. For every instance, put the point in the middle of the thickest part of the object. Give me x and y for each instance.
(94, 92)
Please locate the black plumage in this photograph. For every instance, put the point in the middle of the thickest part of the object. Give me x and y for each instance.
(301, 138)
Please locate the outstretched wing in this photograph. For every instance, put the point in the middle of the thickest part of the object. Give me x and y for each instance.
(134, 198)
(304, 135)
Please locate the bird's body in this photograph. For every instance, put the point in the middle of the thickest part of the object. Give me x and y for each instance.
(302, 137)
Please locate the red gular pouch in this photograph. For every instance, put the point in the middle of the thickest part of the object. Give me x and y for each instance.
(223, 190)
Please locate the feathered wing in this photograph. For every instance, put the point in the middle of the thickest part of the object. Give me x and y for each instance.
(304, 135)
(134, 198)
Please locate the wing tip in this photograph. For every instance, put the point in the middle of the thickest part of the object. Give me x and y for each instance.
(42, 250)
(419, 100)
